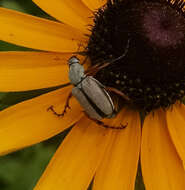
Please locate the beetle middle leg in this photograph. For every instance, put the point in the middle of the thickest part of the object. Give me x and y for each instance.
(118, 92)
(105, 125)
(65, 107)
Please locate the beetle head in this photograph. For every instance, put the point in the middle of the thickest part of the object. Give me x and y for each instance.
(73, 60)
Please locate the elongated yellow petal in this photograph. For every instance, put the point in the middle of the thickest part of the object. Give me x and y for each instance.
(32, 70)
(161, 166)
(30, 122)
(94, 4)
(76, 160)
(72, 12)
(176, 126)
(38, 33)
(119, 166)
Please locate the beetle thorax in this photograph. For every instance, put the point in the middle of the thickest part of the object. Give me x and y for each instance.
(76, 73)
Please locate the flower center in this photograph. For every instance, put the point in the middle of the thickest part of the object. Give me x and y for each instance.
(151, 73)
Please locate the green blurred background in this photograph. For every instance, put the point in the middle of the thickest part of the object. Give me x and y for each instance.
(22, 169)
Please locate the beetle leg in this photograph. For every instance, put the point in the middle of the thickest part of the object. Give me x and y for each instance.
(54, 112)
(67, 102)
(94, 69)
(84, 61)
(65, 107)
(112, 127)
(118, 92)
(105, 125)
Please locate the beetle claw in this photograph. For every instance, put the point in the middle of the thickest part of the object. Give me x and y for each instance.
(67, 106)
(123, 126)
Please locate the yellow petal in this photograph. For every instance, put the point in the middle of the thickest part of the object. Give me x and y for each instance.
(94, 4)
(72, 12)
(176, 126)
(30, 122)
(161, 166)
(119, 165)
(76, 160)
(38, 33)
(32, 70)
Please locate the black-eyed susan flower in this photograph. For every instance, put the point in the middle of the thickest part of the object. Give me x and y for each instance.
(151, 75)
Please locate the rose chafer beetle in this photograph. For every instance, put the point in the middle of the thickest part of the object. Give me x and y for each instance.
(90, 93)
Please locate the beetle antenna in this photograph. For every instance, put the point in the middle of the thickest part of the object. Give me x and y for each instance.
(94, 69)
(123, 55)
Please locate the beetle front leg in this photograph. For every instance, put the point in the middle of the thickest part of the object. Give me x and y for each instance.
(94, 69)
(84, 61)
(105, 125)
(65, 107)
